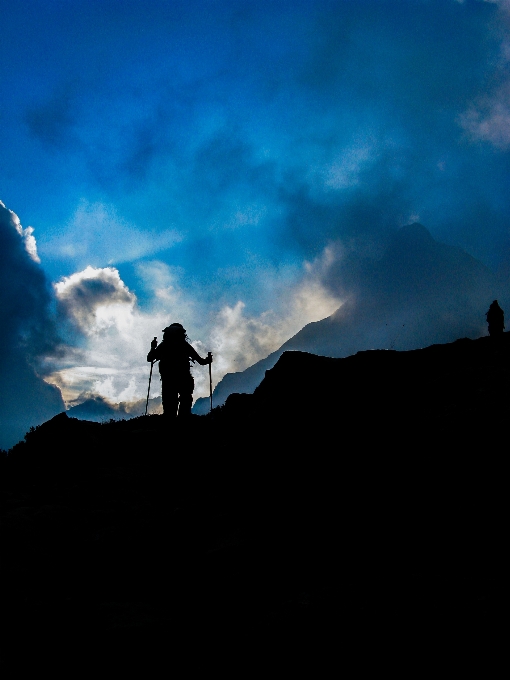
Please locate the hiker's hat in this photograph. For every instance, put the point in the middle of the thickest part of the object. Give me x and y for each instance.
(174, 327)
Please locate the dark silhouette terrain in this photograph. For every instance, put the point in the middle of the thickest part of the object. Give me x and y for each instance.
(349, 511)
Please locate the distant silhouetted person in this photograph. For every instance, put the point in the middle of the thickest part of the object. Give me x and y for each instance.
(495, 319)
(174, 354)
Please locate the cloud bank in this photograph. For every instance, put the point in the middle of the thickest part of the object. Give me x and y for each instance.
(27, 333)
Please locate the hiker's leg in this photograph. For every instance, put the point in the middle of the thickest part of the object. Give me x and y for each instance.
(185, 402)
(186, 396)
(169, 399)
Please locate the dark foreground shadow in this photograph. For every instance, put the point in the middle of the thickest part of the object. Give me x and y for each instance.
(359, 525)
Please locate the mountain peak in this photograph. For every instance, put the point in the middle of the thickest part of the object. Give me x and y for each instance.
(415, 234)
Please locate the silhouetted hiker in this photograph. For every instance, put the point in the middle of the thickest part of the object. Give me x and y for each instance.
(174, 354)
(495, 319)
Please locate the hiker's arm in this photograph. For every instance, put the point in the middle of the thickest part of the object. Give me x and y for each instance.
(154, 354)
(196, 357)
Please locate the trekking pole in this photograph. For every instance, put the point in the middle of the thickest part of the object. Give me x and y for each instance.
(154, 344)
(209, 356)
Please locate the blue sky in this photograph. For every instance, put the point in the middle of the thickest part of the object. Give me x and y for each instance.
(207, 161)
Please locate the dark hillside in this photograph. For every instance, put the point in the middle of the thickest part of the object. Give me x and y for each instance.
(350, 510)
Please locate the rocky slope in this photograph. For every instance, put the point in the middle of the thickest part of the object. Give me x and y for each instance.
(350, 511)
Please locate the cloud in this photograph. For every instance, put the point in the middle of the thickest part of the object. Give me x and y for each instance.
(96, 235)
(163, 283)
(487, 119)
(504, 4)
(419, 292)
(26, 235)
(24, 292)
(345, 170)
(95, 299)
(97, 408)
(27, 332)
(238, 340)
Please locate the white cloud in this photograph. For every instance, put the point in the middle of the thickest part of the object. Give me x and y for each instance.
(96, 234)
(163, 282)
(26, 234)
(95, 299)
